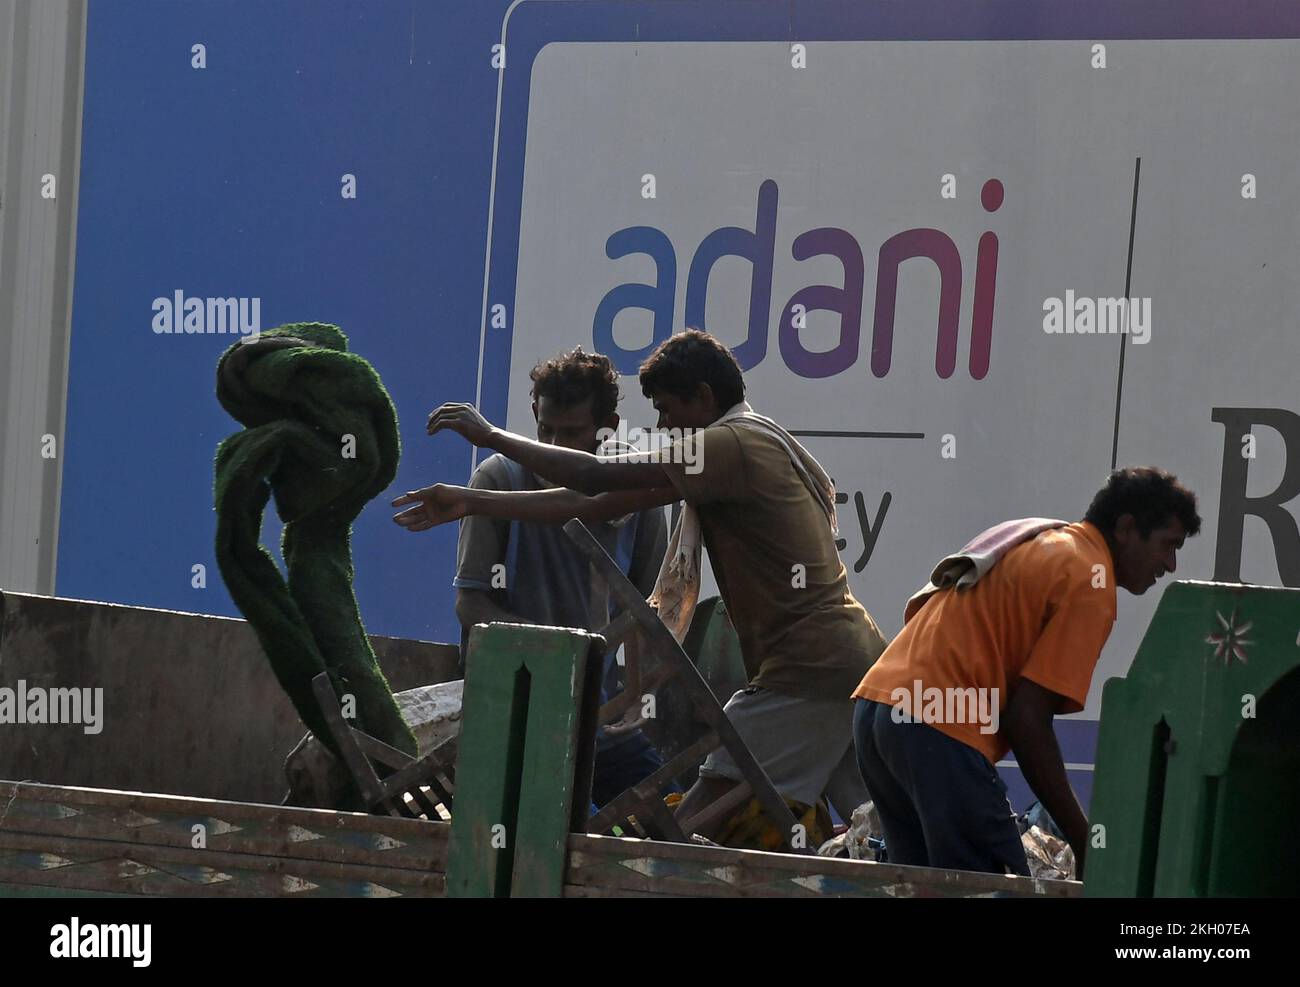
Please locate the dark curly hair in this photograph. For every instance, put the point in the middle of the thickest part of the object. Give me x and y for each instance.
(682, 362)
(573, 377)
(1153, 496)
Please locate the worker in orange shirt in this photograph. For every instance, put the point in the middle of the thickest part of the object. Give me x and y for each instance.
(982, 667)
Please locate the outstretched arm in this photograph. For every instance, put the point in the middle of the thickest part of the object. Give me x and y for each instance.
(443, 502)
(580, 471)
(476, 606)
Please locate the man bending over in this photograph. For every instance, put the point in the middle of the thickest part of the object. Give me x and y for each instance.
(1023, 635)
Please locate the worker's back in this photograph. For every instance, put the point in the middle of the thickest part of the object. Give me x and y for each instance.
(1042, 612)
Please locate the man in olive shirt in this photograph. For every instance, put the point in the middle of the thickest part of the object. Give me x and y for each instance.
(802, 634)
(764, 509)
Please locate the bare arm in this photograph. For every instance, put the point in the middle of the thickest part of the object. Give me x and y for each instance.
(1027, 724)
(580, 471)
(476, 606)
(442, 502)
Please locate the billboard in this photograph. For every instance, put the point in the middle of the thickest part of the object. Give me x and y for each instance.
(973, 273)
(882, 207)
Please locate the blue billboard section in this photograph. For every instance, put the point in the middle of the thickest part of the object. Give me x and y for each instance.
(217, 143)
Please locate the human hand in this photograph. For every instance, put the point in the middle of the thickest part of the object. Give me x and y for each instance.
(629, 721)
(463, 419)
(434, 505)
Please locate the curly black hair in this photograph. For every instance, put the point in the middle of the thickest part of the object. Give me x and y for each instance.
(684, 361)
(573, 377)
(1153, 496)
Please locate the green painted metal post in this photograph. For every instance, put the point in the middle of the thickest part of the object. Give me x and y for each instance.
(519, 748)
(1197, 789)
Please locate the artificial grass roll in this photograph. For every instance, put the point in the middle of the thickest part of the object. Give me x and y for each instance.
(321, 436)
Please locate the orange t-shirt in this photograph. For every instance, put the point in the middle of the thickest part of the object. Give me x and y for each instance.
(1043, 613)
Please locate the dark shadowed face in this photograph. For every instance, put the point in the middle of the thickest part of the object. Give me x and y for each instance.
(1139, 561)
(699, 411)
(571, 427)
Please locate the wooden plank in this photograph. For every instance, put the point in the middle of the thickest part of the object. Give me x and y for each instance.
(440, 791)
(281, 831)
(632, 687)
(658, 821)
(719, 809)
(584, 891)
(32, 791)
(420, 799)
(134, 843)
(419, 771)
(377, 750)
(611, 864)
(361, 770)
(625, 803)
(138, 868)
(659, 639)
(411, 773)
(617, 630)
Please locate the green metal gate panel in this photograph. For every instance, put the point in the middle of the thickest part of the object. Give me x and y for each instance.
(524, 688)
(1197, 788)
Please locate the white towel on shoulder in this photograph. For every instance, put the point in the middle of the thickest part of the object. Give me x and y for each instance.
(677, 589)
(965, 567)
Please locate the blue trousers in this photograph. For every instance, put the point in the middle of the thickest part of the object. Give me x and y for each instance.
(941, 802)
(621, 765)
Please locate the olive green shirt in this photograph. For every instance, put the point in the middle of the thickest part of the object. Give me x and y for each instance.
(801, 631)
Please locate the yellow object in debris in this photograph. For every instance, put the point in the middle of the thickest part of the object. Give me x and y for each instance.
(749, 829)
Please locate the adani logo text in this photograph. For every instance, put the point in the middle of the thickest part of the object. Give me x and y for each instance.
(757, 246)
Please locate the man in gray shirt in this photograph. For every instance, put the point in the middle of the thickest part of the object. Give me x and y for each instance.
(524, 573)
